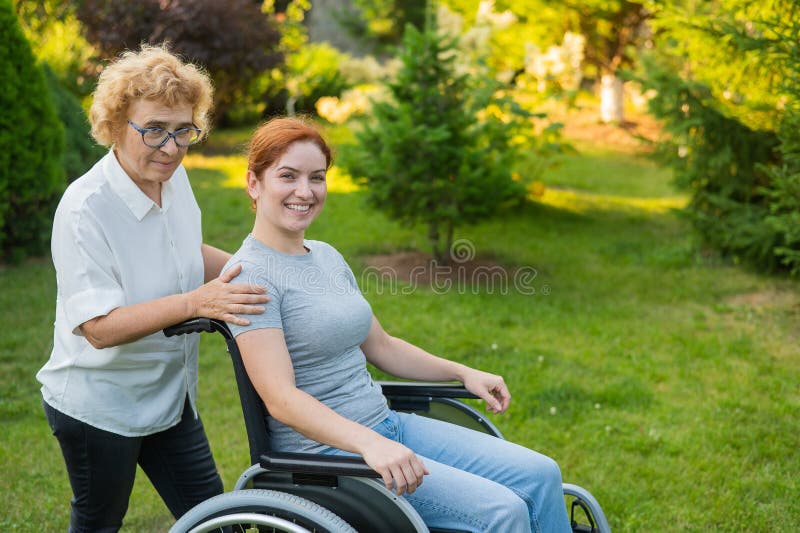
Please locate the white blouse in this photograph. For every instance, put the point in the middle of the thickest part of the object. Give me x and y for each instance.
(112, 246)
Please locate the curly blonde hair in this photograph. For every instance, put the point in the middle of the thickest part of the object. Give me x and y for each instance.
(152, 73)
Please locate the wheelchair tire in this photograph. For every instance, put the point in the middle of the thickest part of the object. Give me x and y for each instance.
(240, 510)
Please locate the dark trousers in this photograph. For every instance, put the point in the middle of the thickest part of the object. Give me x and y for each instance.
(102, 466)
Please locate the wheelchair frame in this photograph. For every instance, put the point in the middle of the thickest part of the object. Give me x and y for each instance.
(304, 492)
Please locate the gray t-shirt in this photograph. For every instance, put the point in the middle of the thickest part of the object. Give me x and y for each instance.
(315, 300)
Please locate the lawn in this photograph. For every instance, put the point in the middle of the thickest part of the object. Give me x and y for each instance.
(662, 378)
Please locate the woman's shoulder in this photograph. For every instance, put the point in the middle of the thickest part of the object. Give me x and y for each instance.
(322, 248)
(84, 190)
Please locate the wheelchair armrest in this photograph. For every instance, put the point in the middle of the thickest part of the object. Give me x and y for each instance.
(314, 463)
(423, 389)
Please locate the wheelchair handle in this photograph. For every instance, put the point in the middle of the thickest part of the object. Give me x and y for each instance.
(198, 325)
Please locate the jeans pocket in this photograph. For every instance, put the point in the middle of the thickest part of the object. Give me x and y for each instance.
(388, 428)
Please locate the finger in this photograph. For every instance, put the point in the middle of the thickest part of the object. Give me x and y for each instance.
(412, 479)
(400, 482)
(387, 478)
(241, 309)
(246, 288)
(491, 402)
(233, 319)
(420, 470)
(230, 273)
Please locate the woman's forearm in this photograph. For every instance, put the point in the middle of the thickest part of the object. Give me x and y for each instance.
(133, 322)
(404, 360)
(217, 299)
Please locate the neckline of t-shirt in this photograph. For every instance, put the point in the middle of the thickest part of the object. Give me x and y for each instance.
(295, 257)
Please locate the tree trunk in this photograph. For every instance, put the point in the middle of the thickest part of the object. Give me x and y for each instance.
(433, 237)
(611, 99)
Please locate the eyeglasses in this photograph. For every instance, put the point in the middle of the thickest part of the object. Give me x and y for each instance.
(158, 137)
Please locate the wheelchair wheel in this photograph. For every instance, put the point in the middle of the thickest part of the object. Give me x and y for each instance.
(257, 510)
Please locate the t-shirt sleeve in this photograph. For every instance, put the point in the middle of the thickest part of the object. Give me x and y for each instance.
(271, 317)
(85, 268)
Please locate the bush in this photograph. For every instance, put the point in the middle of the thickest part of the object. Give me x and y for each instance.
(31, 146)
(720, 162)
(233, 39)
(732, 116)
(439, 151)
(313, 71)
(80, 150)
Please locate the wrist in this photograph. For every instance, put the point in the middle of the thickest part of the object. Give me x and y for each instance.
(460, 371)
(190, 306)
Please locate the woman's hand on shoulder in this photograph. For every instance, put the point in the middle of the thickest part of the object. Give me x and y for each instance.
(223, 300)
(401, 469)
(490, 387)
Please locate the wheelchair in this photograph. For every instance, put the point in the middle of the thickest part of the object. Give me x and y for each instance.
(302, 492)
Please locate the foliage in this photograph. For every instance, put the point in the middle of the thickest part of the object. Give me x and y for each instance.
(379, 23)
(80, 150)
(726, 80)
(439, 152)
(613, 29)
(56, 36)
(31, 144)
(314, 71)
(233, 39)
(784, 191)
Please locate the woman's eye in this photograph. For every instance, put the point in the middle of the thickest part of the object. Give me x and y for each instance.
(318, 177)
(287, 176)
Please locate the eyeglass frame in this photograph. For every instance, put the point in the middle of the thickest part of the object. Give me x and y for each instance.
(169, 135)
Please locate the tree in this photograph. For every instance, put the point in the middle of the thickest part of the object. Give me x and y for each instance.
(56, 36)
(613, 30)
(31, 144)
(379, 23)
(727, 76)
(437, 152)
(233, 39)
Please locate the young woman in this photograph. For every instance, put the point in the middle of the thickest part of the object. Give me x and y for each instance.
(130, 261)
(307, 354)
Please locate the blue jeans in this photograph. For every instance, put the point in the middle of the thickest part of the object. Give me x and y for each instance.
(102, 465)
(478, 482)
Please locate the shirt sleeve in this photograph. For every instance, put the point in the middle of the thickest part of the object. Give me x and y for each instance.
(85, 268)
(271, 317)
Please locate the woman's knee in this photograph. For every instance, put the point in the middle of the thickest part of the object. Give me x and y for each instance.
(510, 514)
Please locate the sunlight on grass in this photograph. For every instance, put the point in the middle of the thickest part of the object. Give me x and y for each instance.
(580, 202)
(235, 167)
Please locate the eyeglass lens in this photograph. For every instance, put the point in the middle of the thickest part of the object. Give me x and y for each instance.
(158, 137)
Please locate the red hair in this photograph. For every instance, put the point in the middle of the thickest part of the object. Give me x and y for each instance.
(273, 138)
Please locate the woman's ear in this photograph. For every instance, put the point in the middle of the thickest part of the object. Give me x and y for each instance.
(252, 185)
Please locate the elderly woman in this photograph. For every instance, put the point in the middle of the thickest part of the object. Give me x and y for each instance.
(307, 355)
(130, 260)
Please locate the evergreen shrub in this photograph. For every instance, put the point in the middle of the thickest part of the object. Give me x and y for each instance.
(723, 164)
(80, 150)
(440, 150)
(31, 146)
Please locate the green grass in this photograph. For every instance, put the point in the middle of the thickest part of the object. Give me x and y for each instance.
(664, 381)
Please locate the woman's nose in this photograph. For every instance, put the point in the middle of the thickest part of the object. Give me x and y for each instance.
(302, 189)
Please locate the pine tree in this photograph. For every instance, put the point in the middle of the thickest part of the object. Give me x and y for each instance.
(432, 154)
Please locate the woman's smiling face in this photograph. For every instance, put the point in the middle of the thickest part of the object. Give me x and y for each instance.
(290, 194)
